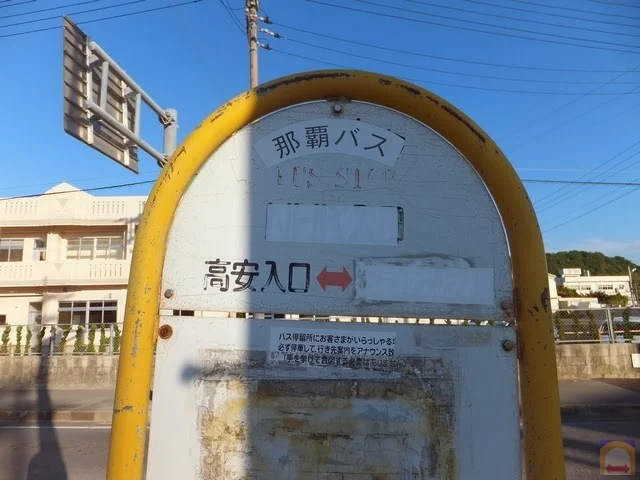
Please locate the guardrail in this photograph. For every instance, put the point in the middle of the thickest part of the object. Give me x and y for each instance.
(87, 339)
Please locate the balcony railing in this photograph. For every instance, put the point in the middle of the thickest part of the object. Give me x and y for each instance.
(27, 212)
(74, 272)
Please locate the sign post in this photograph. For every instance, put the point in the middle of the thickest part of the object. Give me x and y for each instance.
(350, 195)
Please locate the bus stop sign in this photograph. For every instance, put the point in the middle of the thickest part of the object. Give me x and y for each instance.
(336, 295)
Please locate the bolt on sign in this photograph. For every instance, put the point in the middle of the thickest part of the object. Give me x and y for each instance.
(338, 194)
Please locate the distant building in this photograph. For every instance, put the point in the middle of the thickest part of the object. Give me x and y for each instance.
(65, 257)
(587, 284)
(553, 293)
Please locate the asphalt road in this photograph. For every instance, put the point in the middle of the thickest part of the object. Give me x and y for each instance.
(80, 452)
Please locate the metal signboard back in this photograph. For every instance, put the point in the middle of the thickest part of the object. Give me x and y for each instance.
(82, 76)
(336, 208)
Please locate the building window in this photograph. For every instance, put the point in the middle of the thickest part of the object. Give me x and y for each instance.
(11, 249)
(35, 313)
(184, 313)
(3, 319)
(84, 312)
(39, 250)
(622, 287)
(95, 248)
(606, 287)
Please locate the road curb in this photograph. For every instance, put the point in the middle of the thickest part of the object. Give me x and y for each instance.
(601, 410)
(104, 417)
(87, 416)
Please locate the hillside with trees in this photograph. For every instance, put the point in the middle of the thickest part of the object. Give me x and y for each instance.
(596, 263)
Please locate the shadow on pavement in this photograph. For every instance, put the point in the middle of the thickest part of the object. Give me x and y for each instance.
(48, 463)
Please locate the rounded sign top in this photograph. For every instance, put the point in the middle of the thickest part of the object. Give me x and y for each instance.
(338, 208)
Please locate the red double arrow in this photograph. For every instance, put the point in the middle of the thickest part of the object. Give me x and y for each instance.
(617, 468)
(334, 279)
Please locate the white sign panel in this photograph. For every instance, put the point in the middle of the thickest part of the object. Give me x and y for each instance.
(302, 212)
(443, 404)
(341, 224)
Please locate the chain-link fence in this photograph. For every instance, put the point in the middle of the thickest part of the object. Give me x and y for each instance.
(92, 339)
(602, 325)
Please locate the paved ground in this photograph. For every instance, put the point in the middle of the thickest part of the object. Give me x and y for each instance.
(572, 393)
(80, 452)
(600, 392)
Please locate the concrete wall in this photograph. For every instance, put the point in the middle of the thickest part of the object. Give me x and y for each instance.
(584, 361)
(575, 362)
(65, 372)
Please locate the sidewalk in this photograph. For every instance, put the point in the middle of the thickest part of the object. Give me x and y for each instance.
(600, 397)
(577, 397)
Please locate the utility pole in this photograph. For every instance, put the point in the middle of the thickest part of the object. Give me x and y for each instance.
(252, 35)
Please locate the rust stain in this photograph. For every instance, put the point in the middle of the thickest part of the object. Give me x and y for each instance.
(296, 428)
(264, 89)
(544, 299)
(410, 89)
(384, 81)
(290, 424)
(126, 408)
(455, 114)
(434, 100)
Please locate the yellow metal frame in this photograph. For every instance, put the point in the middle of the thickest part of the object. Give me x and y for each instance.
(536, 348)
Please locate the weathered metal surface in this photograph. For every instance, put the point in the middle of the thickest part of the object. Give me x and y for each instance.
(538, 377)
(82, 76)
(395, 217)
(428, 402)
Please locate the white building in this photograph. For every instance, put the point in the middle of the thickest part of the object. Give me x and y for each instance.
(590, 284)
(65, 257)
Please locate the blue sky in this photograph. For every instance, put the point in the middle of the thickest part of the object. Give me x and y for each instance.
(194, 58)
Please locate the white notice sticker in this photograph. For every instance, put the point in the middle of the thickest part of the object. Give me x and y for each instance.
(331, 347)
(330, 135)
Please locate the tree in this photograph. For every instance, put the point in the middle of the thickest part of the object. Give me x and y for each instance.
(567, 292)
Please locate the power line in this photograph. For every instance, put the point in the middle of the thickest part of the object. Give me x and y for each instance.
(33, 12)
(148, 182)
(555, 128)
(451, 59)
(537, 22)
(576, 182)
(16, 4)
(55, 17)
(430, 82)
(577, 217)
(543, 201)
(468, 29)
(448, 72)
(113, 17)
(474, 22)
(566, 196)
(614, 3)
(591, 12)
(231, 15)
(93, 189)
(555, 15)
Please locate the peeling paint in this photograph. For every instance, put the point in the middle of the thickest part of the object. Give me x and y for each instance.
(410, 89)
(126, 408)
(296, 429)
(268, 87)
(449, 110)
(545, 299)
